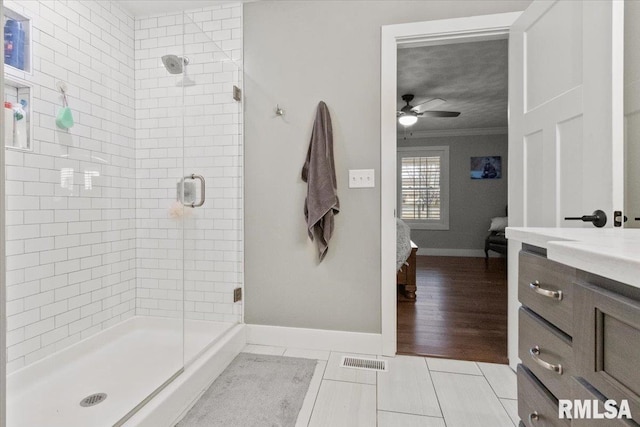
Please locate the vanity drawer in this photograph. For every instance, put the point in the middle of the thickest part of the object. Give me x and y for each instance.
(546, 287)
(583, 391)
(536, 406)
(547, 353)
(607, 342)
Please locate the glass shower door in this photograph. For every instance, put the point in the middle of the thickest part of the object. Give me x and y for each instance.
(212, 167)
(160, 227)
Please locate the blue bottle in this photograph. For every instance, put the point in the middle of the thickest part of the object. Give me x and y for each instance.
(14, 44)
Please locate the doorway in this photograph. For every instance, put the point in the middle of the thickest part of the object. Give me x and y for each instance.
(452, 152)
(473, 29)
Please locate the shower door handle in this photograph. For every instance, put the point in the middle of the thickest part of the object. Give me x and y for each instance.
(203, 190)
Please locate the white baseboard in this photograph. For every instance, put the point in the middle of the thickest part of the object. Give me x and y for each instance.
(474, 253)
(315, 339)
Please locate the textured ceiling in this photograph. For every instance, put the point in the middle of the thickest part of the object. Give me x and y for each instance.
(472, 77)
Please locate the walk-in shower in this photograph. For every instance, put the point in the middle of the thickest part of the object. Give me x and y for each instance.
(118, 285)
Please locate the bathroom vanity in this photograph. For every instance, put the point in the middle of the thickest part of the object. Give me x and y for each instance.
(579, 323)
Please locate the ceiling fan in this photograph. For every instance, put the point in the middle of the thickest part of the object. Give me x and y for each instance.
(409, 114)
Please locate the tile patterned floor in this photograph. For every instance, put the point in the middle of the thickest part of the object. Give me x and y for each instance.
(417, 391)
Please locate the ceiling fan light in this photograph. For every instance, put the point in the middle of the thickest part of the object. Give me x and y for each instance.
(408, 119)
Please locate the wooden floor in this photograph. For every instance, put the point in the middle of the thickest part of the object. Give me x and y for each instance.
(460, 311)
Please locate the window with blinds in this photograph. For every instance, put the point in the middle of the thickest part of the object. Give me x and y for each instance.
(423, 187)
(420, 188)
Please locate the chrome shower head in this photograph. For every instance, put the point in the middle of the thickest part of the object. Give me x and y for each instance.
(174, 64)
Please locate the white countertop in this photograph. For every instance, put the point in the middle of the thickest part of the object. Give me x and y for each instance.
(608, 252)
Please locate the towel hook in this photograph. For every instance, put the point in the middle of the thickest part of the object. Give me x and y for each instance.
(279, 111)
(62, 87)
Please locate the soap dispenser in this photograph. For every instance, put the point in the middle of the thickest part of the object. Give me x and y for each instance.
(8, 124)
(20, 123)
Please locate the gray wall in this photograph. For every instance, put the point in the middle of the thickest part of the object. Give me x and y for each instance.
(296, 54)
(473, 202)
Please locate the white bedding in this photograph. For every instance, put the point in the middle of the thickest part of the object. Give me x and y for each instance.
(403, 245)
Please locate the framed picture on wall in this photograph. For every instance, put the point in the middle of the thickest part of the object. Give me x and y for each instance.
(487, 167)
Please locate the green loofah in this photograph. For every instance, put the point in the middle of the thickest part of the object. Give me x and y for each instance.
(65, 118)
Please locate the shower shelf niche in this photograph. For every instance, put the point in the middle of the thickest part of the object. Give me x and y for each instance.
(25, 23)
(18, 133)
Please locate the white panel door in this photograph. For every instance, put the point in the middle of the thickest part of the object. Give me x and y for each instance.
(566, 112)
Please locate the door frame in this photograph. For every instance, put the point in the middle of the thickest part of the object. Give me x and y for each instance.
(394, 37)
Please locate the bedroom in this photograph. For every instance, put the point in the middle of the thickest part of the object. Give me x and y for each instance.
(459, 309)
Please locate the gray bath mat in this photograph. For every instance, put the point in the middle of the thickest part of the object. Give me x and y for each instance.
(254, 390)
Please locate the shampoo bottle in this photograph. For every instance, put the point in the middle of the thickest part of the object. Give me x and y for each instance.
(14, 44)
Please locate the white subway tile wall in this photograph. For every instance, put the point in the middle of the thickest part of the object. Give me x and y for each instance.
(90, 238)
(184, 130)
(71, 202)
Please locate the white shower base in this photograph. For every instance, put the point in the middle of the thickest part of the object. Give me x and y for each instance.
(127, 362)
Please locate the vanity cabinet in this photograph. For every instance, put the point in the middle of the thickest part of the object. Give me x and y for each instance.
(579, 338)
(607, 345)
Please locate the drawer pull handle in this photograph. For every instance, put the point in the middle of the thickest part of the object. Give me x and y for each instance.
(535, 286)
(533, 417)
(534, 352)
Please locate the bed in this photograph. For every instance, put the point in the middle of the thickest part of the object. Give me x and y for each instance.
(406, 252)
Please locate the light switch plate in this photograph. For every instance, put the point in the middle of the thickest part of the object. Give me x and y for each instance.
(362, 178)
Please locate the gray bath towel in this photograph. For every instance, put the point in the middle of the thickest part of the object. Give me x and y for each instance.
(319, 172)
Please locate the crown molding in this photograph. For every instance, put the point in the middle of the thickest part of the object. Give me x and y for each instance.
(453, 132)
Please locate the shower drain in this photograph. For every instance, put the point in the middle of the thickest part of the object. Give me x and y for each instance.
(93, 399)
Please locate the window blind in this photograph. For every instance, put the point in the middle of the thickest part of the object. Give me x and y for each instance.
(420, 181)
